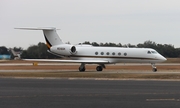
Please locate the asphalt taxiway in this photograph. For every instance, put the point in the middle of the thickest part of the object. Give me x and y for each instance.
(73, 93)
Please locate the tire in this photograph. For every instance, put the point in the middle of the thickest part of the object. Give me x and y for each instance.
(99, 68)
(82, 69)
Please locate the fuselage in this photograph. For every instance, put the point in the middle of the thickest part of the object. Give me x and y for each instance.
(110, 54)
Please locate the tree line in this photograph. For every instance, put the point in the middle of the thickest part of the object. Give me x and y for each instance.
(167, 50)
(39, 51)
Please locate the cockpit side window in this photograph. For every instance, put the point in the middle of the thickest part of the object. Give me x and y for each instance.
(149, 52)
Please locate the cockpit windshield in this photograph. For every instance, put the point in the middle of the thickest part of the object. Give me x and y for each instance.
(154, 52)
(151, 52)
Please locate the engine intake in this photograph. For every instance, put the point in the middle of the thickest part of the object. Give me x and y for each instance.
(73, 50)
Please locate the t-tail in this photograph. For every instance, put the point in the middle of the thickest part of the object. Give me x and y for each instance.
(50, 36)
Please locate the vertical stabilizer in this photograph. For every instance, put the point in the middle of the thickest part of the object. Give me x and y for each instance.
(50, 36)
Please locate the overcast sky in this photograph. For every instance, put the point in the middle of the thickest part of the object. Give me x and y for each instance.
(116, 21)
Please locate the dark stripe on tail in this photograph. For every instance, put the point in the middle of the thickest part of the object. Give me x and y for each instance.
(48, 44)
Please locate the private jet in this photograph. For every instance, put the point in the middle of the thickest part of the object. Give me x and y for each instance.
(88, 54)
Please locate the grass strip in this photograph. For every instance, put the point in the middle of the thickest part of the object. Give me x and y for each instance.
(89, 75)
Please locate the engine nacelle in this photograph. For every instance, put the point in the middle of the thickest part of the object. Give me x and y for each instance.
(64, 49)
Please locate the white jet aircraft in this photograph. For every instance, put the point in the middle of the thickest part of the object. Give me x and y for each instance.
(87, 54)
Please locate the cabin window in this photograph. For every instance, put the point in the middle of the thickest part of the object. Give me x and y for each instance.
(107, 53)
(113, 53)
(96, 53)
(102, 53)
(149, 52)
(125, 54)
(119, 53)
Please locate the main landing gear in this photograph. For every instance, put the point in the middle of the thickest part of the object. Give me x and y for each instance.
(82, 67)
(98, 68)
(154, 69)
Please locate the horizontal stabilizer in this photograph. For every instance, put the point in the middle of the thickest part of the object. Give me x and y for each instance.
(50, 35)
(40, 28)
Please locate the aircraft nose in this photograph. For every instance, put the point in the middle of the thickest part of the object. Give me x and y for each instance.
(163, 58)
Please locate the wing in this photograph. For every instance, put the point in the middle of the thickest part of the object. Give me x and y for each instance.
(70, 61)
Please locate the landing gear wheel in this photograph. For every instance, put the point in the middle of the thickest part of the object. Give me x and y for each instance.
(99, 68)
(154, 69)
(82, 69)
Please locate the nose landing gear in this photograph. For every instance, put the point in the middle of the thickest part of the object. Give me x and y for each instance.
(154, 69)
